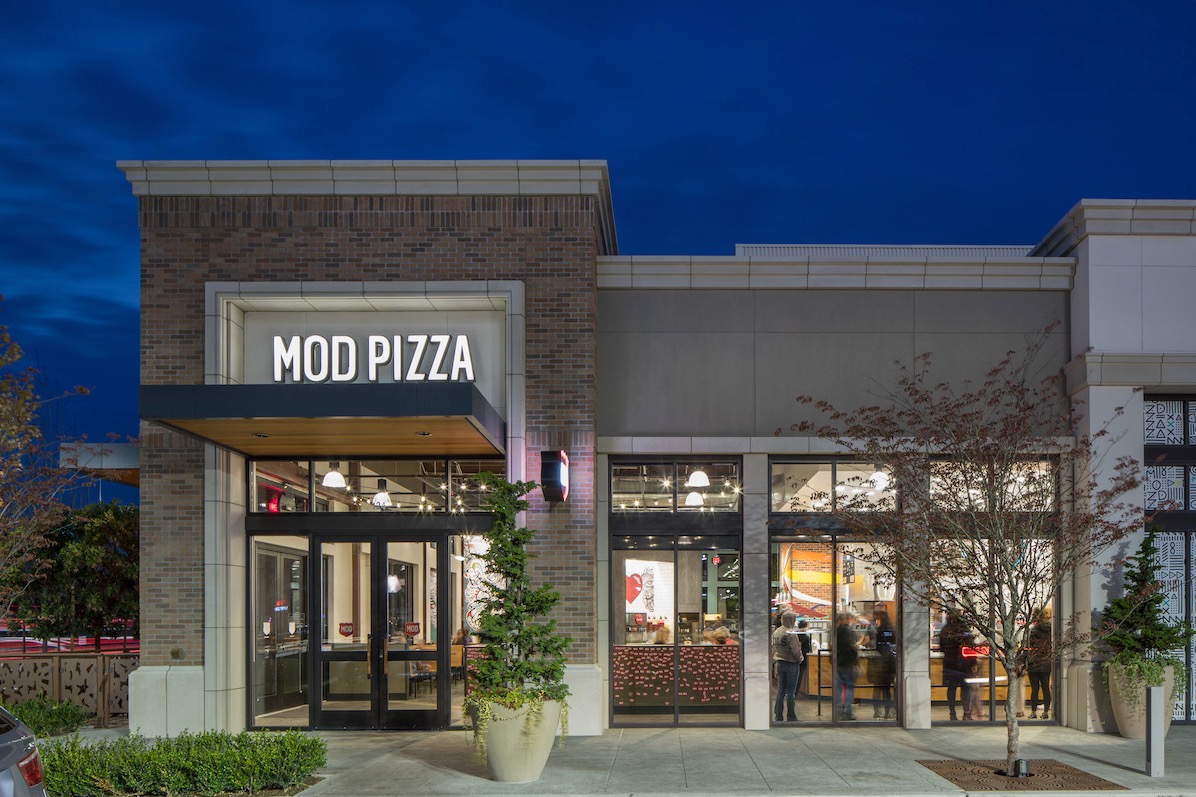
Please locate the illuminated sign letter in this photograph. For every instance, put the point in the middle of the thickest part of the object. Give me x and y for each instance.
(421, 343)
(315, 358)
(434, 373)
(286, 357)
(462, 360)
(377, 353)
(344, 358)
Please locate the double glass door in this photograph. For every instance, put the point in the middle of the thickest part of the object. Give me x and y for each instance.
(382, 660)
(353, 631)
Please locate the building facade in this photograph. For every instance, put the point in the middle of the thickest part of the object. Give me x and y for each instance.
(332, 351)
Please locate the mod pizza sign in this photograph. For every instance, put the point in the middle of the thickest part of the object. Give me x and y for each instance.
(396, 358)
(374, 347)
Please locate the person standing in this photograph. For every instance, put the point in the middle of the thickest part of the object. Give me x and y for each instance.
(787, 659)
(952, 640)
(1040, 660)
(847, 660)
(807, 646)
(885, 671)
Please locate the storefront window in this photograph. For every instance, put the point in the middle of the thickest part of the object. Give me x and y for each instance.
(642, 487)
(675, 487)
(676, 607)
(280, 632)
(371, 485)
(968, 679)
(466, 494)
(845, 620)
(827, 486)
(964, 487)
(281, 486)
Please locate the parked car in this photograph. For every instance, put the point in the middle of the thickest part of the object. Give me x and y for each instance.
(20, 764)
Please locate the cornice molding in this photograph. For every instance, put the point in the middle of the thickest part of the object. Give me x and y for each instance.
(1118, 217)
(924, 273)
(1156, 371)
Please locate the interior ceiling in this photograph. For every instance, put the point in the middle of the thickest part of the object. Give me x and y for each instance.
(393, 436)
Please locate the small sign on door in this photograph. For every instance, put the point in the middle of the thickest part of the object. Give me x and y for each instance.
(411, 629)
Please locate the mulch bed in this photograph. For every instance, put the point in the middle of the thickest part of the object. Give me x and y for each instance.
(989, 775)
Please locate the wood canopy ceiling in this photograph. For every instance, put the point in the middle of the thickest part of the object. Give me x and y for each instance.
(275, 421)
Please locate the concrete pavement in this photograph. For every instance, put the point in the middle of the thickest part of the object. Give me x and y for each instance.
(729, 761)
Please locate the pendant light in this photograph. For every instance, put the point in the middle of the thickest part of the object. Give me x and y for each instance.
(334, 478)
(697, 478)
(382, 498)
(695, 499)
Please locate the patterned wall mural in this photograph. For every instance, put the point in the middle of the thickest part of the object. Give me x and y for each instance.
(1171, 488)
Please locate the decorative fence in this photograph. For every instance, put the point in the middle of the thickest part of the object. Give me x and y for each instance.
(97, 682)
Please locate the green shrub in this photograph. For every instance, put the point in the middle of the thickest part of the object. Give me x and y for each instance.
(46, 717)
(209, 763)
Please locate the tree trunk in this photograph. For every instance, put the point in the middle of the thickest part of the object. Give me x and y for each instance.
(1013, 747)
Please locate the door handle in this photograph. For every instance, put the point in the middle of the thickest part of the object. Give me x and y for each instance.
(369, 656)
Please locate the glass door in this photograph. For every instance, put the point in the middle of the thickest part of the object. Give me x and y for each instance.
(383, 658)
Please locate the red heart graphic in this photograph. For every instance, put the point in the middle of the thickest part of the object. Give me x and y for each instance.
(635, 585)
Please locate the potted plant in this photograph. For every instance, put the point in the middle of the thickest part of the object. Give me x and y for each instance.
(517, 689)
(1143, 642)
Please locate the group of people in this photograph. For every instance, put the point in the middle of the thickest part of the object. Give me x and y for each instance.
(960, 669)
(881, 638)
(792, 644)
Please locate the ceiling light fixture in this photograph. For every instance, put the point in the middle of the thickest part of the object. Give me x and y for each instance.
(694, 499)
(382, 498)
(334, 478)
(697, 479)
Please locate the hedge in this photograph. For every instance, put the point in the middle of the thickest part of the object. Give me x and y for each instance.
(209, 763)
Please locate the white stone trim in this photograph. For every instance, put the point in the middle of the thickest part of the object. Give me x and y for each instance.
(1150, 370)
(376, 177)
(869, 273)
(1118, 217)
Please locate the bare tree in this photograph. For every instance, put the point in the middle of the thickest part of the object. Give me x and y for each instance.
(32, 486)
(983, 498)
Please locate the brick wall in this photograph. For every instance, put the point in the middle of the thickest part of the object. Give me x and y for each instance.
(551, 243)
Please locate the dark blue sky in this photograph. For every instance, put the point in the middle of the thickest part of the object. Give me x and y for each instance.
(793, 122)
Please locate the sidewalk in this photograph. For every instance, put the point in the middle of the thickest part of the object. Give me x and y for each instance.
(728, 761)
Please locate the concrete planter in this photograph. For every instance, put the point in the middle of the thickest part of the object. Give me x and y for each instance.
(518, 741)
(1128, 699)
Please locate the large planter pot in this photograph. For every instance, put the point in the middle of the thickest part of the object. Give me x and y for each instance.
(518, 741)
(1128, 699)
